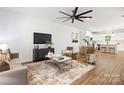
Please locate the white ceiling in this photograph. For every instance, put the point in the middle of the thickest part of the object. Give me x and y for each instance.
(104, 18)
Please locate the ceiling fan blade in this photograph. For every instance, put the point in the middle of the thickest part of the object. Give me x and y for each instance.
(62, 17)
(73, 20)
(79, 20)
(75, 11)
(85, 17)
(65, 13)
(84, 13)
(67, 19)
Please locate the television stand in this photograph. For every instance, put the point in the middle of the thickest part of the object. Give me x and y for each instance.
(39, 54)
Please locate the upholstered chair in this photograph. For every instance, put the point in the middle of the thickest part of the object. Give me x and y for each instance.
(68, 52)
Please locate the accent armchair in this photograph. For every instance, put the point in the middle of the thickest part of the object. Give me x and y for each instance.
(68, 51)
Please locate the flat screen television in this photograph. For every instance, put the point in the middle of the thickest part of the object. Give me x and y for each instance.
(41, 38)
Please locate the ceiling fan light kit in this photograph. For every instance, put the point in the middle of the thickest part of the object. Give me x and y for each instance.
(76, 16)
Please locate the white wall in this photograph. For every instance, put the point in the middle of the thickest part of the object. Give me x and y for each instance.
(17, 31)
(99, 38)
(82, 36)
(89, 34)
(83, 33)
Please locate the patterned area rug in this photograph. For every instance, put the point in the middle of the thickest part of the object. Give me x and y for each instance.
(49, 74)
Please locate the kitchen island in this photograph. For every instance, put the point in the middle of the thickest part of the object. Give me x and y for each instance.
(108, 48)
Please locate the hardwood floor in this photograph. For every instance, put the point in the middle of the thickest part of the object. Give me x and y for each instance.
(109, 70)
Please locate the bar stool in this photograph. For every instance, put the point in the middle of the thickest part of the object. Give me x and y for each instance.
(112, 50)
(103, 49)
(74, 56)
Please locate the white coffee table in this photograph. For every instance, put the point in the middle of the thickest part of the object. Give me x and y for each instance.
(59, 59)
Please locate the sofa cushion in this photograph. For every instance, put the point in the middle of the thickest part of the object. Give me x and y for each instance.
(14, 77)
(2, 63)
(4, 66)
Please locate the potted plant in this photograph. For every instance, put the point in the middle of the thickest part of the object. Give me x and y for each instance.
(49, 44)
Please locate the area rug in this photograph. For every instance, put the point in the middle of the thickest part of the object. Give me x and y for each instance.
(48, 74)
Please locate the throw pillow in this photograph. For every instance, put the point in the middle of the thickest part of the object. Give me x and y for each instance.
(5, 56)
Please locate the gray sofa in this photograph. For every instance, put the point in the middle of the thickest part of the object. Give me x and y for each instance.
(14, 77)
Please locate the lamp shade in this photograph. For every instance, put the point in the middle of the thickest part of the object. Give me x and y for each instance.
(3, 46)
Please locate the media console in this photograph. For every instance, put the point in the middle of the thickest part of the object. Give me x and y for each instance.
(39, 54)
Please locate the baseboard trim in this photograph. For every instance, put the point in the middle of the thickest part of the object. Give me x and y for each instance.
(27, 62)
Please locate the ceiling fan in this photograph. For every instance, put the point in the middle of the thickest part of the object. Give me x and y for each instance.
(76, 16)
